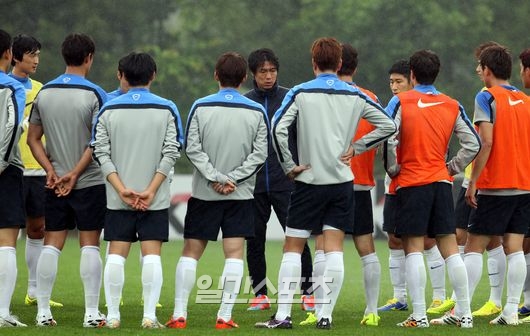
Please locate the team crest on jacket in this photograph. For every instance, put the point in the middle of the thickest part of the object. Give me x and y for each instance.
(330, 82)
(66, 79)
(229, 97)
(136, 96)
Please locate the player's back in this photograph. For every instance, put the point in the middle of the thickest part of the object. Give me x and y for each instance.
(66, 108)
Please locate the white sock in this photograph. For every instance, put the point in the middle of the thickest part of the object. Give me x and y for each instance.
(458, 278)
(46, 274)
(288, 283)
(496, 273)
(396, 265)
(526, 288)
(515, 279)
(8, 278)
(372, 279)
(151, 283)
(334, 272)
(184, 281)
(33, 249)
(231, 278)
(90, 268)
(113, 280)
(416, 280)
(319, 264)
(473, 262)
(436, 265)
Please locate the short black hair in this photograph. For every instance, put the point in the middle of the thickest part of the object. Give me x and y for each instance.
(23, 44)
(524, 56)
(425, 65)
(5, 41)
(138, 68)
(349, 60)
(482, 46)
(258, 57)
(76, 47)
(499, 60)
(231, 69)
(401, 67)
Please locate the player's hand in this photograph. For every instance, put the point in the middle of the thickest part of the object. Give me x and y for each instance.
(346, 157)
(51, 180)
(297, 170)
(471, 198)
(130, 197)
(65, 184)
(144, 200)
(224, 189)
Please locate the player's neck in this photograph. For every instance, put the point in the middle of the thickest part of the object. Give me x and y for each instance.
(497, 82)
(18, 73)
(76, 70)
(347, 79)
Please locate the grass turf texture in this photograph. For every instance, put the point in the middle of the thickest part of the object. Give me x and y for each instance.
(201, 317)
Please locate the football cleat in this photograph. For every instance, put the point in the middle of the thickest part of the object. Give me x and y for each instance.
(393, 304)
(260, 302)
(411, 322)
(489, 308)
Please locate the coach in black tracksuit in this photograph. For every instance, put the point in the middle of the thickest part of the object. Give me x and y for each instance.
(273, 188)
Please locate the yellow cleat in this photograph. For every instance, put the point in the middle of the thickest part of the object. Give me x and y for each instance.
(29, 301)
(435, 304)
(525, 320)
(371, 320)
(444, 307)
(310, 320)
(489, 308)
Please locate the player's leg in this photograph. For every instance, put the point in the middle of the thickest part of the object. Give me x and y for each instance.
(256, 262)
(11, 219)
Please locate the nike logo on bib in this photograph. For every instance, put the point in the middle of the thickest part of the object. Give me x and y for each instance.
(514, 102)
(424, 105)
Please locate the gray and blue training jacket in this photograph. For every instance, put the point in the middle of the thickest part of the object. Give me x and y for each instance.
(137, 135)
(66, 108)
(326, 111)
(12, 103)
(226, 139)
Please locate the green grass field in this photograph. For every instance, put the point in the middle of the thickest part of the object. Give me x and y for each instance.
(201, 317)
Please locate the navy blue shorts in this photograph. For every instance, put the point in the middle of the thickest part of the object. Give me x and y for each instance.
(83, 209)
(462, 210)
(425, 210)
(313, 206)
(389, 213)
(12, 198)
(131, 226)
(34, 195)
(204, 219)
(363, 216)
(497, 215)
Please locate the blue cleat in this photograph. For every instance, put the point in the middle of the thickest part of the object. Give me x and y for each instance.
(393, 304)
(524, 311)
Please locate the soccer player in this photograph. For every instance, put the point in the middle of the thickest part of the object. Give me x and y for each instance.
(123, 88)
(502, 114)
(399, 80)
(226, 140)
(496, 257)
(273, 189)
(135, 169)
(323, 197)
(524, 309)
(12, 101)
(426, 121)
(362, 167)
(64, 112)
(26, 51)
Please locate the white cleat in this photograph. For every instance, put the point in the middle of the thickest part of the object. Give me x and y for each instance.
(11, 321)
